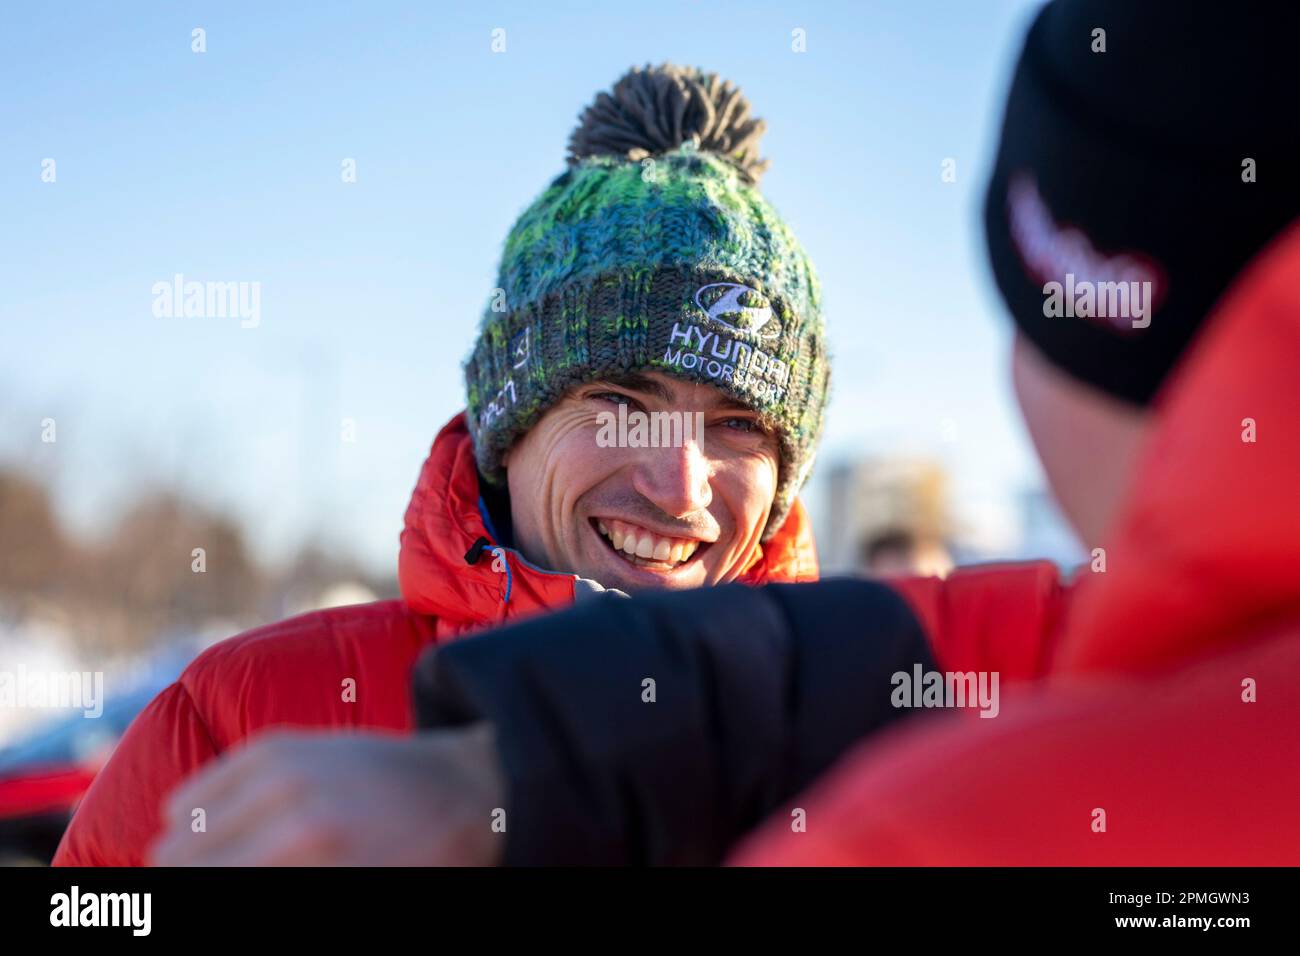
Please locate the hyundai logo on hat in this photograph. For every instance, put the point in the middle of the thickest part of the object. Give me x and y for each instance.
(736, 306)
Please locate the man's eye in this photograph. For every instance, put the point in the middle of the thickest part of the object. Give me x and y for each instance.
(615, 397)
(742, 424)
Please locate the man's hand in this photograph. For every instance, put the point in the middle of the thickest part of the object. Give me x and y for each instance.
(295, 799)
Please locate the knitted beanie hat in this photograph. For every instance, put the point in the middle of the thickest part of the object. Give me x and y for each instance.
(655, 251)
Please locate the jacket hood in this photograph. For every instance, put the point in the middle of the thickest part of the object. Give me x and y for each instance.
(443, 521)
(1206, 549)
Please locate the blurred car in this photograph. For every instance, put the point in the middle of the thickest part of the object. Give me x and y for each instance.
(44, 774)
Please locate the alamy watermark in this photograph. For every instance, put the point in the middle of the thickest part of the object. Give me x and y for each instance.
(68, 690)
(638, 429)
(130, 910)
(208, 300)
(1101, 300)
(922, 688)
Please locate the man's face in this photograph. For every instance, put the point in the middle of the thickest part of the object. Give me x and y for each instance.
(638, 517)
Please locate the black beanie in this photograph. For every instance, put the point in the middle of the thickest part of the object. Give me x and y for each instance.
(1129, 166)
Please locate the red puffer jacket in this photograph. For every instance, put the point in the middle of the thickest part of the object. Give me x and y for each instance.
(1168, 730)
(294, 673)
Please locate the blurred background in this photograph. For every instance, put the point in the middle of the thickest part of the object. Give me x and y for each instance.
(362, 164)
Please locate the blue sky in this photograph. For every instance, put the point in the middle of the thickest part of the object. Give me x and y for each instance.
(225, 166)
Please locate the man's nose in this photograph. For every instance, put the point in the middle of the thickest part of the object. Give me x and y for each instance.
(676, 480)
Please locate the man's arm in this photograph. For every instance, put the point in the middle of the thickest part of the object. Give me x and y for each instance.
(1000, 617)
(653, 730)
(659, 730)
(121, 813)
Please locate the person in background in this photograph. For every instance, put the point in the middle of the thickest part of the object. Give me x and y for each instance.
(897, 552)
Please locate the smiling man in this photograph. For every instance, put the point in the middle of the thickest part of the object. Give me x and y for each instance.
(651, 277)
(684, 514)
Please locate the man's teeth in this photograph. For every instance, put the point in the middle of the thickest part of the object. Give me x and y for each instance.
(641, 543)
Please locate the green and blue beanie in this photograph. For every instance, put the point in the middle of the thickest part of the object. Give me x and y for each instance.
(655, 251)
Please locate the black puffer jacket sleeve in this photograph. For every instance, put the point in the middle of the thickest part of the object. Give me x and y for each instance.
(658, 730)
